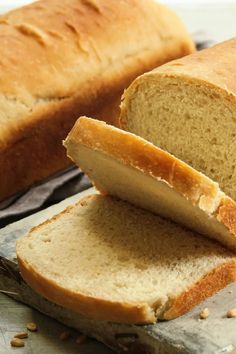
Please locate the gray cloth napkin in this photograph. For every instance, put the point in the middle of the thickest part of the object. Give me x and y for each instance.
(63, 184)
(51, 191)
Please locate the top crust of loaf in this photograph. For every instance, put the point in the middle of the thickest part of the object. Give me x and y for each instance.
(117, 311)
(192, 111)
(203, 67)
(63, 59)
(78, 39)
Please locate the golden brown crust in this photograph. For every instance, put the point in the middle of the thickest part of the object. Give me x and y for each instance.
(36, 150)
(226, 214)
(206, 287)
(139, 153)
(136, 152)
(77, 34)
(70, 70)
(205, 66)
(201, 68)
(86, 305)
(127, 313)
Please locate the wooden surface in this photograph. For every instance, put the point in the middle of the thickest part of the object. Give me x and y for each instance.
(186, 334)
(13, 319)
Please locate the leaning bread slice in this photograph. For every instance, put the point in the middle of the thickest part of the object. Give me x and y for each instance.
(188, 108)
(126, 166)
(107, 259)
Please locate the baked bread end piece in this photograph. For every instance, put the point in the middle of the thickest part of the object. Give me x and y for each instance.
(128, 167)
(187, 107)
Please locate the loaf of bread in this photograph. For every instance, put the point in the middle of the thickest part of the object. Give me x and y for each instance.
(188, 107)
(62, 59)
(108, 260)
(130, 168)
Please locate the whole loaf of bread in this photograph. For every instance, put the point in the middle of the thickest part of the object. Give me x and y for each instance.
(60, 60)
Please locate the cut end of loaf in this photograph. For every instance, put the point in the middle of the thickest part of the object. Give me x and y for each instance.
(108, 260)
(187, 116)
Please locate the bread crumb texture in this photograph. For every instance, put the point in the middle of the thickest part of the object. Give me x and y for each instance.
(187, 107)
(110, 250)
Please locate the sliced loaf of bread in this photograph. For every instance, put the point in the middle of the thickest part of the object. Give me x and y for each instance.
(188, 108)
(126, 166)
(107, 259)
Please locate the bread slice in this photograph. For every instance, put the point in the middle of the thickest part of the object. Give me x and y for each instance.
(126, 166)
(108, 260)
(188, 108)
